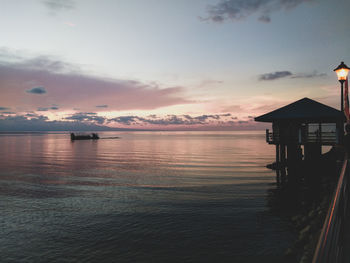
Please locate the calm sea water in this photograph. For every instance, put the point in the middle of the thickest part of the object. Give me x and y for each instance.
(145, 197)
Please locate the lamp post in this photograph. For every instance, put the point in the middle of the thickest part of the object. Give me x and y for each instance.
(342, 72)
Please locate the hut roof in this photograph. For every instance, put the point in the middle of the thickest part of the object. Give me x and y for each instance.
(306, 110)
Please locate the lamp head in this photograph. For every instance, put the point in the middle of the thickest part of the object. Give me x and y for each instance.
(342, 71)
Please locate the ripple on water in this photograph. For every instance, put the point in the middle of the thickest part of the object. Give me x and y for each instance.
(147, 197)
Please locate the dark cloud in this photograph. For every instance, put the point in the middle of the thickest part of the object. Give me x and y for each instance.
(205, 117)
(87, 117)
(85, 121)
(32, 115)
(41, 123)
(275, 75)
(239, 9)
(265, 19)
(55, 6)
(47, 108)
(169, 119)
(126, 120)
(101, 106)
(308, 75)
(42, 109)
(4, 108)
(283, 74)
(37, 90)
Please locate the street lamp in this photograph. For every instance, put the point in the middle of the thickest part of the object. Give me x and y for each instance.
(342, 72)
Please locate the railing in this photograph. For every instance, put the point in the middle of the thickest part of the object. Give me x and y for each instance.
(272, 137)
(330, 244)
(325, 138)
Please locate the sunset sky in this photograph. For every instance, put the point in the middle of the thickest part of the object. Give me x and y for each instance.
(165, 64)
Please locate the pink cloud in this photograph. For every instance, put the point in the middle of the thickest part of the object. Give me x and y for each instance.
(70, 89)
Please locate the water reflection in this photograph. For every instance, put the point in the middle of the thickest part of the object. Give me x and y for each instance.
(148, 196)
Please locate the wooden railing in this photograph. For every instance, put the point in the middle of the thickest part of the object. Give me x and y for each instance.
(324, 138)
(330, 244)
(272, 137)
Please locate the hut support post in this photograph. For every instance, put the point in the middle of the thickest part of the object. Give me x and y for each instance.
(340, 132)
(278, 160)
(283, 154)
(294, 153)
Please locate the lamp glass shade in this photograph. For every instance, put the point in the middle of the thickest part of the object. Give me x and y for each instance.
(342, 73)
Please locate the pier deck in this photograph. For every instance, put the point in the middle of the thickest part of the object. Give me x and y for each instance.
(334, 242)
(346, 257)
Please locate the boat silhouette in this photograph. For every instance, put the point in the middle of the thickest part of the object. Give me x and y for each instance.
(92, 136)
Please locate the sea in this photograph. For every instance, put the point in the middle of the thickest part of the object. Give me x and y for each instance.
(140, 196)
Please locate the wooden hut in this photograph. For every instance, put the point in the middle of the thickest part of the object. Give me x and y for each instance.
(305, 123)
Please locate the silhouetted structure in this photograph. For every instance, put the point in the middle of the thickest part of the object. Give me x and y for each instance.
(305, 123)
(93, 136)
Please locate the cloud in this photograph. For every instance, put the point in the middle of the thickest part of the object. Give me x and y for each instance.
(55, 6)
(235, 10)
(171, 120)
(6, 54)
(48, 108)
(87, 117)
(126, 120)
(88, 121)
(102, 106)
(37, 90)
(68, 86)
(4, 108)
(42, 109)
(14, 59)
(45, 63)
(308, 75)
(186, 122)
(41, 123)
(265, 19)
(33, 115)
(275, 75)
(283, 74)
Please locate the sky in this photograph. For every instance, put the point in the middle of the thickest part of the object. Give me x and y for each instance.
(165, 64)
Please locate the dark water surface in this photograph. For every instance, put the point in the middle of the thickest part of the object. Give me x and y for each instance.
(146, 197)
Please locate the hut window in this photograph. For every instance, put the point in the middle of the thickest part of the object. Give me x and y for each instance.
(313, 127)
(329, 127)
